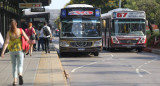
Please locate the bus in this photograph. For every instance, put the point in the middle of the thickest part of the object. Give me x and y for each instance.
(80, 29)
(124, 28)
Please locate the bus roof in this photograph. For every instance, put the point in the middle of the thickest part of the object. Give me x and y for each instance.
(79, 5)
(115, 10)
(110, 13)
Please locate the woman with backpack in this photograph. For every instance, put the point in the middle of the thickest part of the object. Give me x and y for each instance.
(30, 31)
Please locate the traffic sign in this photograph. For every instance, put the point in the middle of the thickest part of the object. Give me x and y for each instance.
(30, 5)
(37, 9)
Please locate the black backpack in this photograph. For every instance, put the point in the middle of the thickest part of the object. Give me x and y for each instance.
(46, 31)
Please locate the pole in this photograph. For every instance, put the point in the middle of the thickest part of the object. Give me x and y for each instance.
(119, 3)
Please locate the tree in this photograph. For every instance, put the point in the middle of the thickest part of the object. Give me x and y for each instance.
(105, 5)
(151, 7)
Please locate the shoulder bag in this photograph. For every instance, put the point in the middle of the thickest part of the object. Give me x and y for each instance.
(25, 44)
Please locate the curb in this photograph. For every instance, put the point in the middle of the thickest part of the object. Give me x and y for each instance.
(65, 74)
(152, 50)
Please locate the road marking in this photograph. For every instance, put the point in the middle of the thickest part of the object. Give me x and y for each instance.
(73, 70)
(140, 67)
(137, 71)
(146, 71)
(82, 66)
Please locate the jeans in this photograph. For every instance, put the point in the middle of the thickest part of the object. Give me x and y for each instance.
(17, 59)
(41, 42)
(46, 42)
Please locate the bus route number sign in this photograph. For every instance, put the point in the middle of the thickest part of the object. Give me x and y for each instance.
(120, 15)
(129, 15)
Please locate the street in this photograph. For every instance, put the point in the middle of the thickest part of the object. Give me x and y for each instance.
(119, 68)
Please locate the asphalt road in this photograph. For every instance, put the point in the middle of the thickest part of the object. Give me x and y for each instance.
(119, 68)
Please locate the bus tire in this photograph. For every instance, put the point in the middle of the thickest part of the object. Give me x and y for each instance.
(104, 48)
(111, 49)
(61, 54)
(139, 50)
(96, 53)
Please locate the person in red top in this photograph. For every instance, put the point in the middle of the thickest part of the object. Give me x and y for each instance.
(29, 31)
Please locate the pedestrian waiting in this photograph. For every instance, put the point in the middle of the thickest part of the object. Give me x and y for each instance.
(40, 39)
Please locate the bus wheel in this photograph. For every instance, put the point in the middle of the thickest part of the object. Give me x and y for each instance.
(139, 50)
(96, 53)
(61, 54)
(104, 48)
(111, 49)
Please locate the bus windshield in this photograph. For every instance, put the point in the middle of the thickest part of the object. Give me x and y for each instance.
(80, 27)
(128, 27)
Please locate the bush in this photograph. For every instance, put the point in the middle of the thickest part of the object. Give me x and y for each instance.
(151, 39)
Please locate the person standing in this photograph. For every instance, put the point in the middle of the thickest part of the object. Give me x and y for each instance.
(40, 39)
(14, 43)
(47, 37)
(29, 31)
(36, 36)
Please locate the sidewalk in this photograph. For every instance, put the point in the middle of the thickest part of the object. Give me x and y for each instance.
(40, 69)
(152, 50)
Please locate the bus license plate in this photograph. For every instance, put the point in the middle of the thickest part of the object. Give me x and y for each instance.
(81, 49)
(128, 46)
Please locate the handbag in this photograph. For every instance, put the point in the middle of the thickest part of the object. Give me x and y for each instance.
(32, 37)
(25, 44)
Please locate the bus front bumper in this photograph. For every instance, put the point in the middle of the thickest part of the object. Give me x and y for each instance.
(129, 46)
(87, 50)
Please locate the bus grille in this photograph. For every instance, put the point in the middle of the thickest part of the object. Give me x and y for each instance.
(128, 41)
(81, 44)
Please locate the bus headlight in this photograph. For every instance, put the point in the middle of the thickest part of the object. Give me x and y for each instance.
(98, 43)
(115, 40)
(142, 41)
(64, 44)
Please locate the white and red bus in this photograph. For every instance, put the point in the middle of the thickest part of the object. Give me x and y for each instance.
(124, 28)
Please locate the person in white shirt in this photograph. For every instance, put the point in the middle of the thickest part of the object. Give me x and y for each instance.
(46, 38)
(1, 41)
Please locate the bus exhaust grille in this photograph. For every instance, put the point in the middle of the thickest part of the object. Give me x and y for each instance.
(128, 41)
(81, 44)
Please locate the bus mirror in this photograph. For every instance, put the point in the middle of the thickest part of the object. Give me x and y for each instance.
(104, 23)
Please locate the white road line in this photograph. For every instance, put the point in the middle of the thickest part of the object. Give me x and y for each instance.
(82, 66)
(139, 74)
(140, 68)
(146, 71)
(73, 70)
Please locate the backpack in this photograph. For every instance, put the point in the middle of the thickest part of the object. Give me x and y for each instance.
(46, 31)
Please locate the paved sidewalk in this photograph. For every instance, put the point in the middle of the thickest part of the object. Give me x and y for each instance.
(40, 69)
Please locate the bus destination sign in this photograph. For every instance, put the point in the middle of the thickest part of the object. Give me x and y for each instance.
(128, 15)
(80, 13)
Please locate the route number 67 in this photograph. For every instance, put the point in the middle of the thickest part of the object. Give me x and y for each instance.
(121, 14)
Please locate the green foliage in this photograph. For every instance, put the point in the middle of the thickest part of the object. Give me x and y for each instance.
(105, 5)
(57, 21)
(151, 39)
